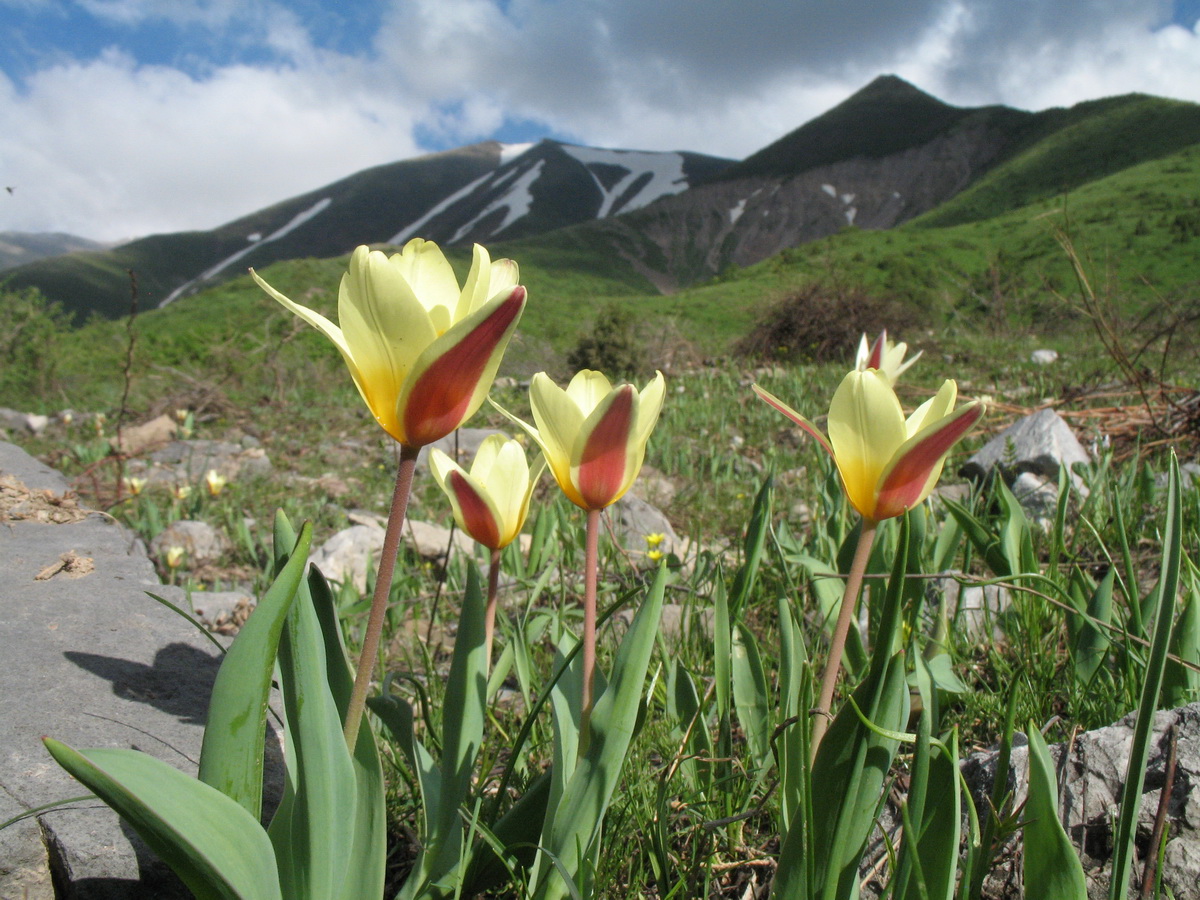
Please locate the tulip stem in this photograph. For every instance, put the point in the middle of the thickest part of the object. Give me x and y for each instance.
(489, 619)
(837, 646)
(383, 588)
(590, 564)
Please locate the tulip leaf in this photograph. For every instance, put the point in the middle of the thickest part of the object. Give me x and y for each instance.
(312, 830)
(365, 878)
(750, 695)
(1164, 599)
(207, 838)
(1091, 640)
(1180, 684)
(1050, 861)
(579, 813)
(463, 711)
(231, 757)
(795, 688)
(752, 548)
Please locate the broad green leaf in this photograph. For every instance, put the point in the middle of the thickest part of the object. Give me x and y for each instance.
(1050, 861)
(1164, 598)
(231, 757)
(1181, 684)
(365, 877)
(579, 814)
(208, 839)
(752, 548)
(463, 713)
(750, 695)
(313, 829)
(517, 831)
(938, 828)
(722, 647)
(1091, 642)
(795, 688)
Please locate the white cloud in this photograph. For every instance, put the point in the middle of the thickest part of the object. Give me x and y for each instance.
(108, 147)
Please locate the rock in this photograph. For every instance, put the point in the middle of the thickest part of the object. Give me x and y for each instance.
(1044, 357)
(208, 606)
(25, 423)
(1090, 787)
(36, 423)
(633, 520)
(93, 662)
(351, 553)
(1040, 443)
(147, 436)
(201, 542)
(187, 462)
(1038, 497)
(973, 608)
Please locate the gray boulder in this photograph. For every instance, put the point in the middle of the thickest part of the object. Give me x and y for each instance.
(89, 660)
(1040, 443)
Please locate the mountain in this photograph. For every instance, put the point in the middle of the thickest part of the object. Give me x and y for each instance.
(484, 192)
(19, 247)
(888, 155)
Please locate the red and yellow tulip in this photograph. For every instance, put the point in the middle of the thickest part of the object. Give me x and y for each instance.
(885, 356)
(491, 501)
(593, 434)
(888, 464)
(423, 352)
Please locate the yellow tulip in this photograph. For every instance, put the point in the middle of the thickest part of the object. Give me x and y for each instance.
(888, 464)
(593, 434)
(135, 484)
(423, 352)
(215, 482)
(885, 356)
(491, 501)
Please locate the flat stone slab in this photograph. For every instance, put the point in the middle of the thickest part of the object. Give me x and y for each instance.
(89, 659)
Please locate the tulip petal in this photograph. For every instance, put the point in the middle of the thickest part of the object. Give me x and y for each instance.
(451, 377)
(936, 407)
(312, 317)
(558, 420)
(476, 513)
(501, 468)
(424, 267)
(588, 388)
(650, 404)
(771, 400)
(866, 427)
(913, 471)
(600, 461)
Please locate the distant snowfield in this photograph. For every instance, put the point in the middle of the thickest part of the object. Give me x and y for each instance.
(296, 221)
(509, 152)
(666, 175)
(516, 202)
(411, 230)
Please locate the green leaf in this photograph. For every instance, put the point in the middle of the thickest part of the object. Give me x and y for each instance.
(1165, 598)
(1181, 684)
(938, 829)
(517, 832)
(750, 695)
(365, 878)
(1091, 642)
(312, 829)
(752, 548)
(438, 866)
(579, 814)
(231, 757)
(1050, 861)
(208, 839)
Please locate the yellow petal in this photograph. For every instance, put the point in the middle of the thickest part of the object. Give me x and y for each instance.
(866, 427)
(936, 407)
(507, 483)
(650, 404)
(424, 267)
(917, 464)
(559, 420)
(587, 389)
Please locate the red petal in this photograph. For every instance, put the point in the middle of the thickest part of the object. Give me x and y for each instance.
(904, 482)
(440, 398)
(876, 359)
(477, 515)
(605, 456)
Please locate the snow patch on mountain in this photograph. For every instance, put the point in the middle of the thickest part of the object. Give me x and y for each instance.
(509, 152)
(410, 230)
(665, 171)
(296, 221)
(516, 202)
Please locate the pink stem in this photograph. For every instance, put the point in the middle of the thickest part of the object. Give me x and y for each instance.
(383, 588)
(489, 619)
(591, 564)
(833, 665)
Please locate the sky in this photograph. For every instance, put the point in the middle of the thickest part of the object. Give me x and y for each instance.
(121, 118)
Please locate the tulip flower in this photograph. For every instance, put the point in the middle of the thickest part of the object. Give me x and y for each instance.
(490, 503)
(594, 437)
(135, 484)
(215, 482)
(888, 464)
(884, 356)
(422, 352)
(593, 434)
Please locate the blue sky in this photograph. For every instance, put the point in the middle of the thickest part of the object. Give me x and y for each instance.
(120, 118)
